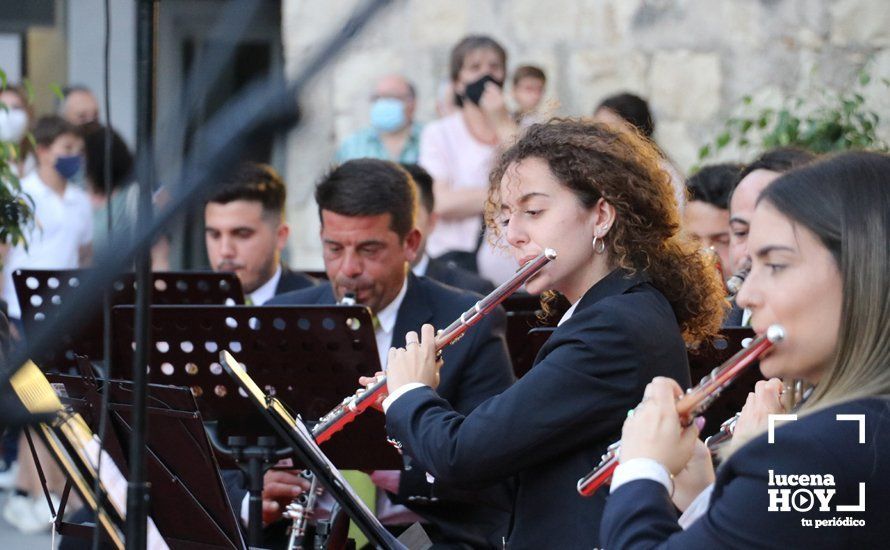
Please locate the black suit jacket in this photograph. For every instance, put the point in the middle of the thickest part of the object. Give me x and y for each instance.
(639, 514)
(293, 280)
(476, 367)
(551, 427)
(457, 277)
(734, 316)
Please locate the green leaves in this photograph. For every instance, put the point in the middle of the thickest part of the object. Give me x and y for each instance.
(16, 208)
(840, 121)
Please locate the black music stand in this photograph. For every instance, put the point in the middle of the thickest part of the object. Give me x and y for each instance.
(189, 502)
(528, 348)
(309, 357)
(525, 314)
(703, 360)
(295, 432)
(42, 292)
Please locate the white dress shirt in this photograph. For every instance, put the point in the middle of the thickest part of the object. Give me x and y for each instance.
(422, 266)
(641, 468)
(267, 291)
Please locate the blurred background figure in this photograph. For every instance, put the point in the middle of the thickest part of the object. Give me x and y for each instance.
(458, 152)
(632, 112)
(78, 105)
(124, 196)
(706, 216)
(529, 83)
(423, 265)
(393, 134)
(15, 123)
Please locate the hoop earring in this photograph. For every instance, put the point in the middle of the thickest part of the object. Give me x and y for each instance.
(599, 244)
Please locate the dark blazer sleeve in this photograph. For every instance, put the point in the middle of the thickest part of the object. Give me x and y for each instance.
(486, 368)
(484, 371)
(576, 395)
(639, 514)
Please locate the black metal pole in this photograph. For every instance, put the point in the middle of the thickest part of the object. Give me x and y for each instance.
(137, 490)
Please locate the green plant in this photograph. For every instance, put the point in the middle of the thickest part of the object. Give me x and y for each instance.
(16, 207)
(837, 122)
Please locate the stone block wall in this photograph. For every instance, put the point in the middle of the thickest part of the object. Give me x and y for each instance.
(692, 59)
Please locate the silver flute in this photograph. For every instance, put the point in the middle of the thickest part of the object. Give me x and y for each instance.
(356, 404)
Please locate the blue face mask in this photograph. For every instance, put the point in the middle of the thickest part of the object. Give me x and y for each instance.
(388, 114)
(68, 166)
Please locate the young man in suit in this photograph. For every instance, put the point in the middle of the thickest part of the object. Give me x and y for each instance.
(423, 265)
(245, 233)
(367, 209)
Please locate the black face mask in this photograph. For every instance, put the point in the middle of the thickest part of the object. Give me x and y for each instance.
(474, 90)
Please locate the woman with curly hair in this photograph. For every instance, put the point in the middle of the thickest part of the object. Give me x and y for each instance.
(598, 197)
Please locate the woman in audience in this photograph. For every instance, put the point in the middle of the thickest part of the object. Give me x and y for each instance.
(818, 243)
(15, 122)
(459, 150)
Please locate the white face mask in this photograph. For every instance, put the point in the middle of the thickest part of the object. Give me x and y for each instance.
(13, 125)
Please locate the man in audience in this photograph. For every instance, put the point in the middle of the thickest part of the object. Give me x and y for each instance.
(433, 268)
(393, 134)
(245, 233)
(706, 217)
(752, 181)
(369, 237)
(79, 105)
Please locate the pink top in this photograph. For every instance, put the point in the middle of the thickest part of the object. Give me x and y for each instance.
(454, 157)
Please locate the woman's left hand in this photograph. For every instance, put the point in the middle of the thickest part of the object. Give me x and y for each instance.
(416, 362)
(654, 430)
(694, 478)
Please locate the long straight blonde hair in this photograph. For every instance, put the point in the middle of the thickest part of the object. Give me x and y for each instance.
(845, 201)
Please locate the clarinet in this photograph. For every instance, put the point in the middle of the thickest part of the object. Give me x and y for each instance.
(693, 403)
(300, 510)
(734, 284)
(356, 404)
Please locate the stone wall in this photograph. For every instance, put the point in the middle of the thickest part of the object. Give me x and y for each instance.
(693, 60)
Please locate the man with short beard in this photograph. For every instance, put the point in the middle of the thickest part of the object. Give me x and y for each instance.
(245, 233)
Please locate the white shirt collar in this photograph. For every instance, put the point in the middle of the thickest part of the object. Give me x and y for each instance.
(387, 316)
(267, 291)
(568, 314)
(422, 266)
(386, 319)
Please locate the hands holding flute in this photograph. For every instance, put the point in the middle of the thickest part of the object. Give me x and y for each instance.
(656, 431)
(417, 362)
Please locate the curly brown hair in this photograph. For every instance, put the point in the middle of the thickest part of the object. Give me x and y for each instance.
(596, 161)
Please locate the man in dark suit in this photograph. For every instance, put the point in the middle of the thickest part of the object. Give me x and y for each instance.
(434, 268)
(245, 233)
(369, 237)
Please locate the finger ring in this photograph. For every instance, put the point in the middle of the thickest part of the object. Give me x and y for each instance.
(412, 342)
